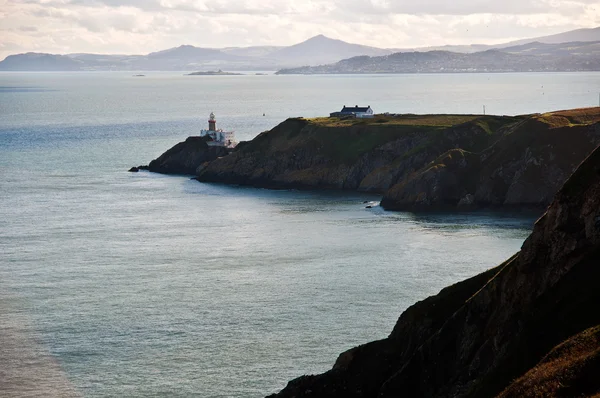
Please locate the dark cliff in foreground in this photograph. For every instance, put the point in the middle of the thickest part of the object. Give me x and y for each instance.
(419, 162)
(529, 327)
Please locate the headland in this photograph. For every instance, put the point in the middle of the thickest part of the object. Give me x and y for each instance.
(529, 326)
(416, 162)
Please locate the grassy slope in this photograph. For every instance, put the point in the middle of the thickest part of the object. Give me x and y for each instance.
(346, 139)
(571, 369)
(534, 133)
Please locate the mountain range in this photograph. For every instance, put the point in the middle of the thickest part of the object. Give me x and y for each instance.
(531, 57)
(318, 50)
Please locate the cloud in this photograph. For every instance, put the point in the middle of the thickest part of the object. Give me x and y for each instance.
(28, 29)
(142, 26)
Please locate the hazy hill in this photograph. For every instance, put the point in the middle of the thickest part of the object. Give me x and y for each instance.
(40, 62)
(450, 62)
(580, 48)
(579, 35)
(192, 53)
(591, 34)
(254, 51)
(321, 50)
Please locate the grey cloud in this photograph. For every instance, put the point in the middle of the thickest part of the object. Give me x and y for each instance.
(424, 7)
(28, 29)
(462, 7)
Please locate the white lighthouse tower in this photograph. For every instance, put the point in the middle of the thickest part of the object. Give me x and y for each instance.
(218, 137)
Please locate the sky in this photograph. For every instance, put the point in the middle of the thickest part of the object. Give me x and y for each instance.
(143, 26)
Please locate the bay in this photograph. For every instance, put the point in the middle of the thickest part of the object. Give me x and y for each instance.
(151, 285)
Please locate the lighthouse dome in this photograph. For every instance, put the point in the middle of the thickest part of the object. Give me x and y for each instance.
(212, 116)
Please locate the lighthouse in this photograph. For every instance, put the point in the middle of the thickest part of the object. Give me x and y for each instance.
(212, 122)
(218, 137)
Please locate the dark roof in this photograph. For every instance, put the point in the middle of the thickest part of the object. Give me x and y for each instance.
(354, 109)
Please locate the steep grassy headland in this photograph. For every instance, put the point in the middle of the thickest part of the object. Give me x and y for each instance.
(528, 327)
(420, 162)
(363, 154)
(526, 166)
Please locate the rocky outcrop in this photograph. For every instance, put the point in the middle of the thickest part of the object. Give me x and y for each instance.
(475, 338)
(525, 167)
(357, 154)
(186, 157)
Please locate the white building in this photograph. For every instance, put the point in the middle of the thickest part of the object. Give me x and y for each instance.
(218, 137)
(356, 111)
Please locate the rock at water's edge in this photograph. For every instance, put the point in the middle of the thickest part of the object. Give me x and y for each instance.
(186, 157)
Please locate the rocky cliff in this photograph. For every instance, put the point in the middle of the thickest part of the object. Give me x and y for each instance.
(528, 327)
(186, 157)
(420, 162)
(526, 166)
(363, 154)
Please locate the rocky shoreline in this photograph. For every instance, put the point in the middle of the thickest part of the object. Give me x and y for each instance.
(528, 327)
(185, 157)
(416, 162)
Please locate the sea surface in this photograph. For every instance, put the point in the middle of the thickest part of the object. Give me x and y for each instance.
(145, 285)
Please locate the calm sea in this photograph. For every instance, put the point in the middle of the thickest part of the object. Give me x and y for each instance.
(137, 284)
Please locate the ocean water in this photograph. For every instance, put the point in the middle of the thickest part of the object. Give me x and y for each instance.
(144, 285)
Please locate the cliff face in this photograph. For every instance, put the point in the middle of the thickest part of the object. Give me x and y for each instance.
(418, 162)
(474, 338)
(367, 154)
(526, 166)
(186, 157)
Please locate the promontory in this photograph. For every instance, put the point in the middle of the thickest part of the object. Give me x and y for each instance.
(417, 162)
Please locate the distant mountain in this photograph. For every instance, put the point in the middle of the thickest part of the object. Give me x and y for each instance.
(40, 62)
(449, 62)
(192, 54)
(322, 50)
(579, 35)
(592, 34)
(255, 51)
(318, 50)
(590, 49)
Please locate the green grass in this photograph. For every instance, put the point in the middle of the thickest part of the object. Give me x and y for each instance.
(347, 146)
(399, 120)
